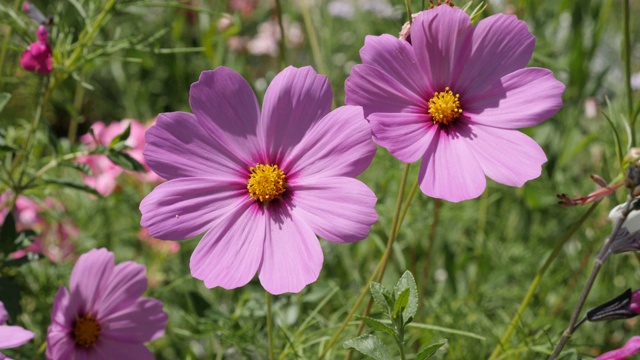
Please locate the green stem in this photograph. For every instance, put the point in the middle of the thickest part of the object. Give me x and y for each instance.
(283, 39)
(313, 38)
(627, 68)
(432, 239)
(408, 3)
(536, 282)
(87, 36)
(269, 326)
(5, 43)
(77, 107)
(377, 273)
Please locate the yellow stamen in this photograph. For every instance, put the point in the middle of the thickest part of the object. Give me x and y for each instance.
(86, 331)
(266, 182)
(444, 107)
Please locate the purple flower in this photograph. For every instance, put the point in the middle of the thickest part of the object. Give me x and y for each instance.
(632, 347)
(37, 57)
(104, 316)
(11, 336)
(261, 185)
(454, 97)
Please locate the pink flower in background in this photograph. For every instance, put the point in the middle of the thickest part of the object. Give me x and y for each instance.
(454, 98)
(37, 57)
(267, 40)
(260, 184)
(104, 172)
(632, 347)
(103, 316)
(11, 336)
(161, 246)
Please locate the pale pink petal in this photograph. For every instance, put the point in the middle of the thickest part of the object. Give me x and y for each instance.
(295, 100)
(140, 322)
(60, 344)
(226, 107)
(438, 39)
(406, 136)
(14, 336)
(127, 284)
(338, 145)
(65, 309)
(182, 208)
(376, 91)
(97, 265)
(395, 57)
(177, 146)
(337, 209)
(523, 98)
(449, 170)
(506, 156)
(108, 349)
(230, 253)
(500, 44)
(292, 254)
(632, 347)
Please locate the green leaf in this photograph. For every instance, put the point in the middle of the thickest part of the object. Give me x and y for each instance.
(4, 99)
(430, 350)
(401, 303)
(83, 168)
(369, 345)
(125, 161)
(122, 137)
(10, 297)
(381, 296)
(71, 184)
(376, 325)
(408, 282)
(8, 234)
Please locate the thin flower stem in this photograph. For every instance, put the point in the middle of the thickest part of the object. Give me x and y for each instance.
(283, 39)
(377, 273)
(77, 107)
(432, 238)
(269, 326)
(408, 2)
(5, 43)
(600, 259)
(536, 282)
(627, 68)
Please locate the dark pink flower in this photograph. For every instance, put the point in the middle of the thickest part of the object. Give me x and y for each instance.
(632, 347)
(103, 316)
(261, 184)
(454, 98)
(37, 57)
(11, 336)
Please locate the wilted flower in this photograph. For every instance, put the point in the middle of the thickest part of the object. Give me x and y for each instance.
(632, 347)
(624, 306)
(11, 336)
(454, 97)
(104, 315)
(37, 57)
(260, 184)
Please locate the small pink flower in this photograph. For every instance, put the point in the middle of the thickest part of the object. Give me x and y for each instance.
(104, 315)
(11, 336)
(161, 246)
(37, 57)
(632, 347)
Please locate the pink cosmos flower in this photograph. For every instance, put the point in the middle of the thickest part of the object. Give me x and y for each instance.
(160, 246)
(11, 336)
(104, 315)
(632, 347)
(454, 97)
(260, 184)
(37, 57)
(106, 173)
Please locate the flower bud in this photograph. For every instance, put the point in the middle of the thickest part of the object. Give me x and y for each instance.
(625, 306)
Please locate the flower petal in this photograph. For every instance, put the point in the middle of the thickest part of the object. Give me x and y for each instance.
(229, 254)
(338, 209)
(406, 136)
(523, 98)
(108, 349)
(438, 38)
(396, 58)
(89, 278)
(182, 208)
(127, 284)
(632, 347)
(376, 91)
(338, 145)
(449, 171)
(226, 107)
(14, 336)
(292, 253)
(60, 343)
(177, 146)
(507, 156)
(142, 321)
(500, 44)
(295, 100)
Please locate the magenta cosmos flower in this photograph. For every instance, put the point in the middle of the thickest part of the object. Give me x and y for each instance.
(104, 316)
(260, 184)
(454, 97)
(11, 336)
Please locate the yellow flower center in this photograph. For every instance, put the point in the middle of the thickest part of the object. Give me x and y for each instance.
(86, 331)
(444, 107)
(266, 182)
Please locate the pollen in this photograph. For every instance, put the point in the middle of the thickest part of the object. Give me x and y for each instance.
(86, 331)
(266, 182)
(444, 107)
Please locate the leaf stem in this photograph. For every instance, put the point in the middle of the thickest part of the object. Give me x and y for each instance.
(269, 326)
(626, 46)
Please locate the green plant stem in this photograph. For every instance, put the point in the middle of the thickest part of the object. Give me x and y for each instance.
(377, 273)
(600, 259)
(269, 326)
(426, 269)
(283, 39)
(77, 107)
(5, 43)
(536, 282)
(626, 46)
(408, 2)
